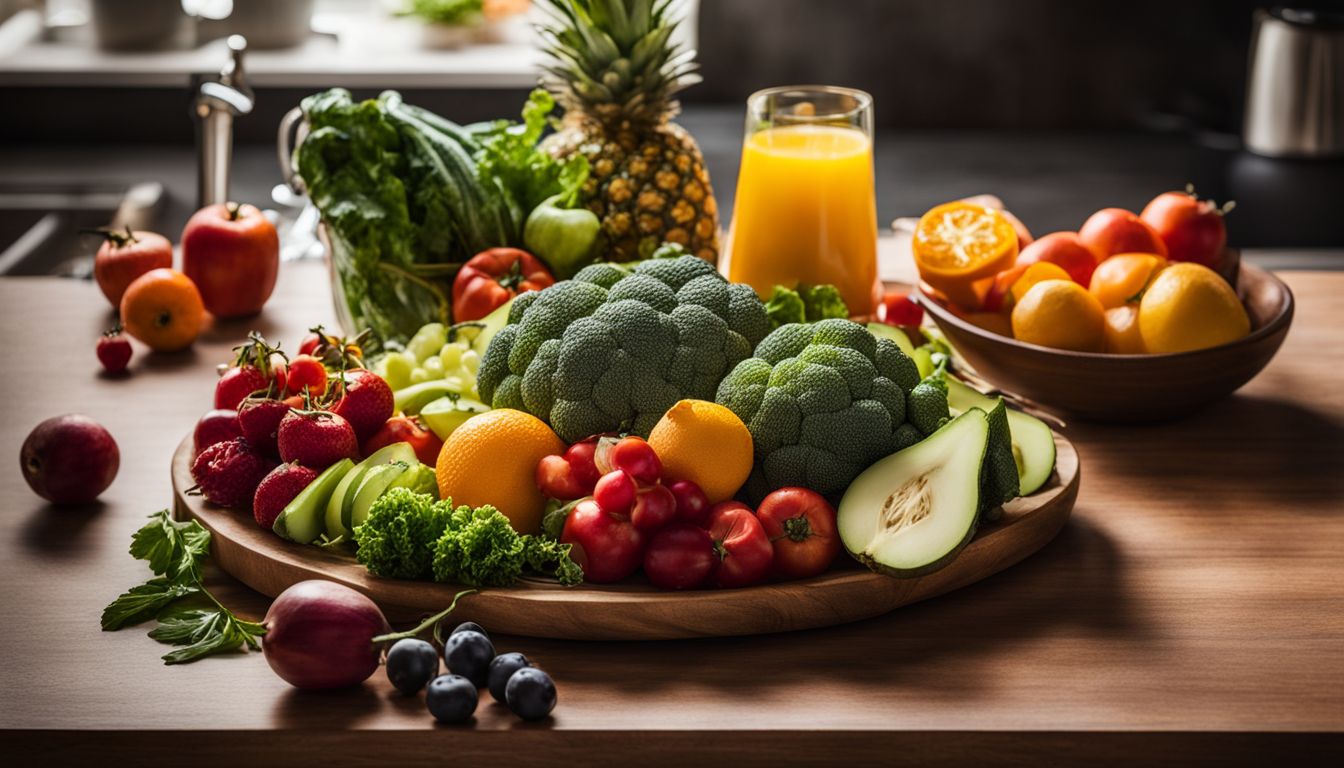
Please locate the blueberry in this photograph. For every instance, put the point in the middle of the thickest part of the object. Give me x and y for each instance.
(410, 664)
(468, 653)
(530, 693)
(501, 669)
(469, 626)
(451, 698)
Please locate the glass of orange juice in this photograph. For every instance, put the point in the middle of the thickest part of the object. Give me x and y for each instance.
(805, 210)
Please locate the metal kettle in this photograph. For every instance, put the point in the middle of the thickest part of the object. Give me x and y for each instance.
(1295, 90)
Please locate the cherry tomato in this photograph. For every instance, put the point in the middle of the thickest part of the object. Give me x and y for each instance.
(307, 374)
(800, 525)
(743, 548)
(580, 457)
(897, 308)
(556, 479)
(692, 503)
(607, 547)
(1192, 229)
(680, 556)
(637, 457)
(615, 493)
(1115, 230)
(406, 429)
(492, 277)
(655, 507)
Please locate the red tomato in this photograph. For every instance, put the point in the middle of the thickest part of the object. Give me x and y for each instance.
(581, 461)
(655, 507)
(1065, 250)
(615, 493)
(1192, 229)
(744, 550)
(801, 527)
(406, 429)
(232, 253)
(124, 256)
(897, 308)
(636, 457)
(306, 374)
(556, 479)
(608, 548)
(492, 277)
(692, 504)
(1115, 230)
(680, 556)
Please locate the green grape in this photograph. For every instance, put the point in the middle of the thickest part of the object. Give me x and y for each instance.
(434, 366)
(459, 384)
(420, 376)
(471, 361)
(397, 369)
(427, 341)
(451, 355)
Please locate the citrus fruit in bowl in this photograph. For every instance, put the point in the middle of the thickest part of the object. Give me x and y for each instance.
(492, 459)
(1189, 307)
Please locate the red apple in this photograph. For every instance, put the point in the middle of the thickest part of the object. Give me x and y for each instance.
(1065, 250)
(1115, 230)
(124, 256)
(232, 253)
(69, 459)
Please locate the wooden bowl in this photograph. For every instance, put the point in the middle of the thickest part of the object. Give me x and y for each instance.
(1126, 388)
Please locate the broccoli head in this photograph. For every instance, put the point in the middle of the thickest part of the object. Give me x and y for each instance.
(615, 347)
(823, 402)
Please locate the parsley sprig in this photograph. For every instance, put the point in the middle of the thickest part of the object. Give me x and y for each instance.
(188, 615)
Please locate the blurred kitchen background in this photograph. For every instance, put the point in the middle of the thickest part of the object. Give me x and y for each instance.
(1057, 107)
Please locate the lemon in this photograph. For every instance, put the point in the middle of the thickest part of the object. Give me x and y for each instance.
(705, 443)
(1187, 307)
(1122, 331)
(1060, 314)
(492, 459)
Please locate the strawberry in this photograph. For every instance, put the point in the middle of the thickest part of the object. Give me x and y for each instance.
(365, 401)
(258, 367)
(216, 427)
(114, 351)
(277, 489)
(228, 473)
(316, 439)
(259, 418)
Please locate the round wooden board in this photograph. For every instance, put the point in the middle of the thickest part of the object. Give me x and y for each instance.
(637, 611)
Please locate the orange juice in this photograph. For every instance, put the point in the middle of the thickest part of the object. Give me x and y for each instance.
(805, 212)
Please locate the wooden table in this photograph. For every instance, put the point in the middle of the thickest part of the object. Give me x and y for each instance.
(1192, 611)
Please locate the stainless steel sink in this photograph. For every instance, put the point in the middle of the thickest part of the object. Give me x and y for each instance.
(44, 226)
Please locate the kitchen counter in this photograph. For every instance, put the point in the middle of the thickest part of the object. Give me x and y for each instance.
(1191, 611)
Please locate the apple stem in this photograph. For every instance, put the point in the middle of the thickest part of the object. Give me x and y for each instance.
(233, 209)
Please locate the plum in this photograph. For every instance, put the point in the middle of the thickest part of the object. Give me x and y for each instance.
(319, 635)
(69, 459)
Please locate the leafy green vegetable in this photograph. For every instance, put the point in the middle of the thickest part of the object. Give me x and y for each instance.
(446, 11)
(527, 176)
(175, 551)
(822, 401)
(615, 347)
(808, 304)
(409, 535)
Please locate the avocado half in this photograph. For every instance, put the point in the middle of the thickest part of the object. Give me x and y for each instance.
(1033, 442)
(912, 512)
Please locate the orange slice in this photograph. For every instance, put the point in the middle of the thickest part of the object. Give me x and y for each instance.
(957, 244)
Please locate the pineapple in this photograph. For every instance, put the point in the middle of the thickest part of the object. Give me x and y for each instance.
(614, 72)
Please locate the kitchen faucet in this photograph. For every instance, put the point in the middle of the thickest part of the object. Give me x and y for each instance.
(218, 101)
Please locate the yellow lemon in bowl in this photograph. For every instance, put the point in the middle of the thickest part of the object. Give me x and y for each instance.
(1060, 314)
(1188, 307)
(705, 443)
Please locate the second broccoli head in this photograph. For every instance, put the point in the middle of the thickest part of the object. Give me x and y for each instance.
(823, 401)
(614, 348)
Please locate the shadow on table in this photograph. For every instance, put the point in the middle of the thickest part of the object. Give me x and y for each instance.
(330, 709)
(234, 332)
(1243, 446)
(60, 531)
(1074, 584)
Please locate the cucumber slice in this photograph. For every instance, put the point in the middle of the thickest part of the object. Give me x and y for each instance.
(912, 512)
(350, 483)
(1033, 442)
(419, 478)
(884, 331)
(301, 520)
(375, 484)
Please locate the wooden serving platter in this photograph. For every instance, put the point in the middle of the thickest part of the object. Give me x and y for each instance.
(636, 611)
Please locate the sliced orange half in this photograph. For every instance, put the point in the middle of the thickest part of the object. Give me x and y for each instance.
(957, 244)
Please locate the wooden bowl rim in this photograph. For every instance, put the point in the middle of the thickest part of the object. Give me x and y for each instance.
(943, 315)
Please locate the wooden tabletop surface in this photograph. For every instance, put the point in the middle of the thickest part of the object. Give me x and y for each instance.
(1192, 610)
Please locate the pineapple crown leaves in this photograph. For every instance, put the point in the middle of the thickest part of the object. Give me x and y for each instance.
(612, 59)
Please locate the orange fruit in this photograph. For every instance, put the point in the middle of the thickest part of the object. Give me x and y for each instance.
(705, 443)
(163, 309)
(1122, 331)
(1188, 307)
(957, 244)
(492, 459)
(1060, 314)
(1122, 278)
(1035, 273)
